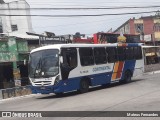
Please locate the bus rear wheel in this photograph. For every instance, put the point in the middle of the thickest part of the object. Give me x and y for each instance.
(84, 86)
(127, 77)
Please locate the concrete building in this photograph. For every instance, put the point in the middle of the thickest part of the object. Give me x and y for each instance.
(15, 44)
(148, 27)
(15, 25)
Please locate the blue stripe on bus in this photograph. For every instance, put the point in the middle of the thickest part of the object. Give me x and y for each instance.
(132, 45)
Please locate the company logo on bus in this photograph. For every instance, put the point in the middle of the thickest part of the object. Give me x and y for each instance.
(101, 68)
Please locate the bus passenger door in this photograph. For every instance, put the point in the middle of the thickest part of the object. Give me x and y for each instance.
(69, 61)
(139, 65)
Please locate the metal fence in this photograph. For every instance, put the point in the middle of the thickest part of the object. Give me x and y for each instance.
(14, 92)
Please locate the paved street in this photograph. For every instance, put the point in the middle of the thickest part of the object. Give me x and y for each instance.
(142, 94)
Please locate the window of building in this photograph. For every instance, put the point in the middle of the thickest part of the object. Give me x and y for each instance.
(14, 27)
(100, 55)
(1, 29)
(139, 28)
(156, 27)
(112, 54)
(86, 56)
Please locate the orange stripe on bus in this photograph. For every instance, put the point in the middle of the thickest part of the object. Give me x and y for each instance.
(115, 70)
(120, 69)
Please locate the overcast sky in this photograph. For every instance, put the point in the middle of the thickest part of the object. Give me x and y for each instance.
(86, 25)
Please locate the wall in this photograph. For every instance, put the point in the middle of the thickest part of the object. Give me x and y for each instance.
(132, 28)
(23, 22)
(12, 54)
(148, 26)
(11, 48)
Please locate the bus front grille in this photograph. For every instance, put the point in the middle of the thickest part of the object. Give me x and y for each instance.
(42, 83)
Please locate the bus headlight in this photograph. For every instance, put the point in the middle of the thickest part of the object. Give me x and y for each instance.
(57, 80)
(32, 79)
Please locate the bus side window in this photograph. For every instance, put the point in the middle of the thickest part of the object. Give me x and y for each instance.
(112, 54)
(129, 53)
(86, 56)
(121, 53)
(138, 52)
(100, 55)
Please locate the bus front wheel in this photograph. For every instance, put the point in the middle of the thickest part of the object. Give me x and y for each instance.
(84, 86)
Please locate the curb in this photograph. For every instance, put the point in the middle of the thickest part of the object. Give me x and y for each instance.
(14, 92)
(18, 97)
(150, 73)
(1, 97)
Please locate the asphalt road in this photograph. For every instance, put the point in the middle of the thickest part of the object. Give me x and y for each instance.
(142, 94)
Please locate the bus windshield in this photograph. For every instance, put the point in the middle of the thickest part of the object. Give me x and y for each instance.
(44, 63)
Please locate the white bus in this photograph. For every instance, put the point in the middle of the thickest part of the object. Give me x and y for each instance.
(67, 67)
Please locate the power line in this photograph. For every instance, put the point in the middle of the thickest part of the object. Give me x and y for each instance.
(82, 15)
(75, 24)
(81, 8)
(78, 2)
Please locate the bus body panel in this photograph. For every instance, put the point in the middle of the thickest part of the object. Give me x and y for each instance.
(100, 79)
(139, 68)
(96, 79)
(98, 74)
(63, 86)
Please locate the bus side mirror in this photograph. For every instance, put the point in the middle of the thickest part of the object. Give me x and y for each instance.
(61, 59)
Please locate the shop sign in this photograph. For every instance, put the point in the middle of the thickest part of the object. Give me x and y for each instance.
(148, 37)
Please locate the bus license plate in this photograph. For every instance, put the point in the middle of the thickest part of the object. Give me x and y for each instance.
(42, 88)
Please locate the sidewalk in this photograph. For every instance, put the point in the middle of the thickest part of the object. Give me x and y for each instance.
(14, 92)
(152, 67)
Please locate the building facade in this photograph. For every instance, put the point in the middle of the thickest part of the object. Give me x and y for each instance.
(147, 27)
(13, 25)
(14, 43)
(13, 52)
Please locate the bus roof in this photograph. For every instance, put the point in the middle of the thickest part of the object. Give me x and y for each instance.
(58, 46)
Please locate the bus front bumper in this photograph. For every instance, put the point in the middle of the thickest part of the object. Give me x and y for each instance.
(44, 89)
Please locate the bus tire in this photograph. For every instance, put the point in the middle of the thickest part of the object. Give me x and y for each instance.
(106, 85)
(84, 86)
(127, 77)
(59, 94)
